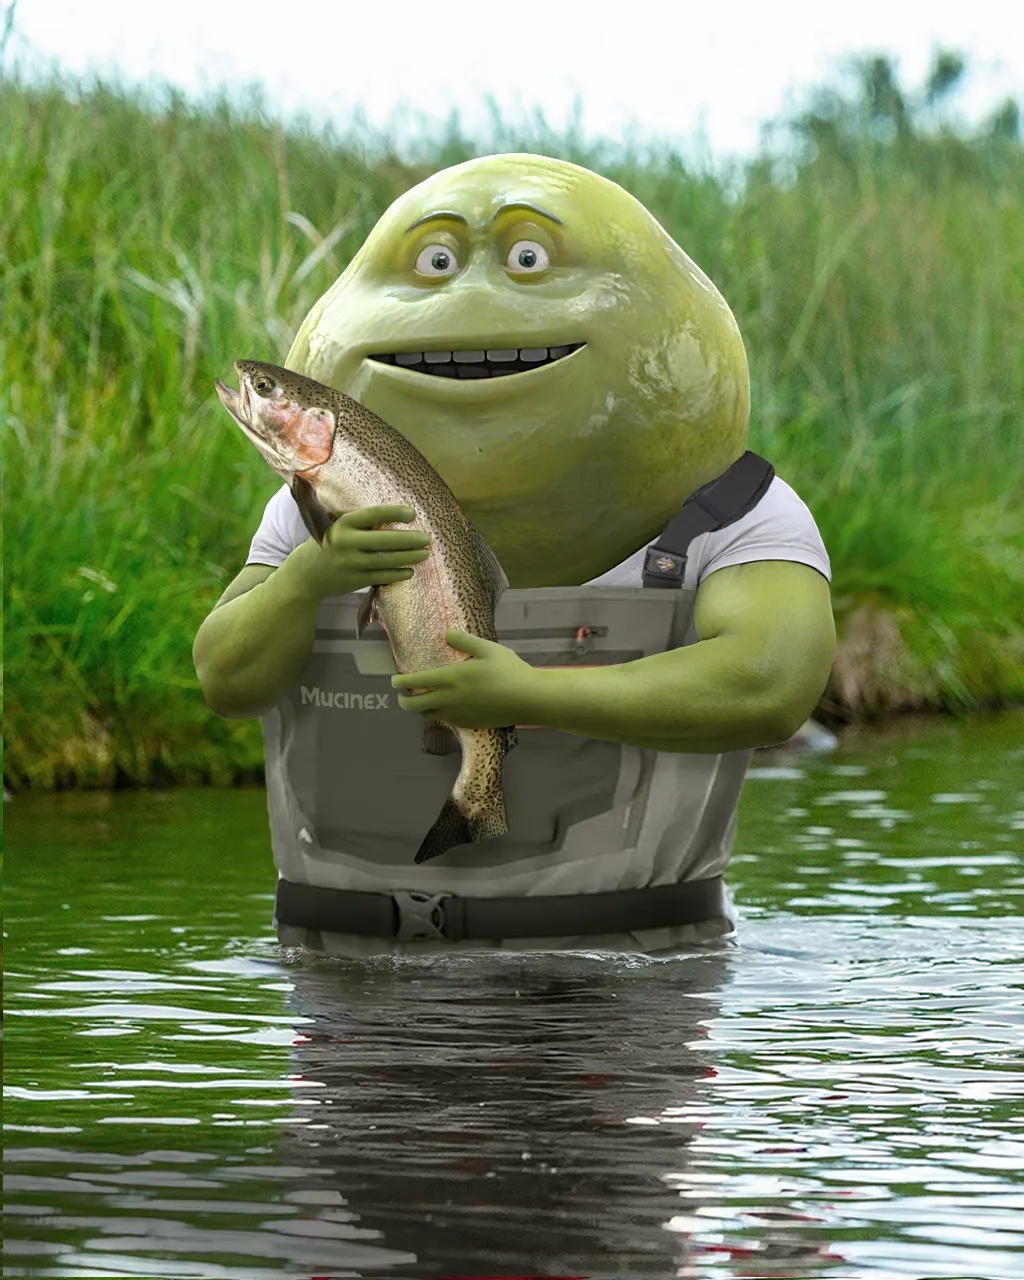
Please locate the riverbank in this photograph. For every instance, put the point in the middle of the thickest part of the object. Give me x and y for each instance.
(878, 284)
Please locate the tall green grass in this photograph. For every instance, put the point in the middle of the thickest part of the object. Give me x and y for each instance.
(877, 274)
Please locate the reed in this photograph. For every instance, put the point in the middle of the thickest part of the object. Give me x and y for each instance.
(876, 270)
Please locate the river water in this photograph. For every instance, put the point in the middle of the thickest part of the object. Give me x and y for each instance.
(840, 1094)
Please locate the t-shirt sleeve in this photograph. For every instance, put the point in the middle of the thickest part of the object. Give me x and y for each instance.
(280, 532)
(780, 527)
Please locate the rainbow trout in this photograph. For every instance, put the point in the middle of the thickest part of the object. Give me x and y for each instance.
(337, 457)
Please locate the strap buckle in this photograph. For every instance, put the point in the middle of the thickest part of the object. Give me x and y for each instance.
(665, 566)
(420, 915)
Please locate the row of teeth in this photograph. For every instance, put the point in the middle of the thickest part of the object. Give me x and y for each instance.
(477, 364)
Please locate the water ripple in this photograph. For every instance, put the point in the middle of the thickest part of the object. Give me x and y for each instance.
(838, 1095)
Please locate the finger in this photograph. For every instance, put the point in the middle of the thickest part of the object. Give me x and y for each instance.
(341, 534)
(381, 577)
(414, 679)
(367, 517)
(469, 645)
(423, 703)
(462, 639)
(399, 559)
(389, 539)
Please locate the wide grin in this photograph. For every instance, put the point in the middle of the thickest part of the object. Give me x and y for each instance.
(493, 363)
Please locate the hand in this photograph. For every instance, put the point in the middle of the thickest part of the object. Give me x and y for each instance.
(493, 688)
(356, 553)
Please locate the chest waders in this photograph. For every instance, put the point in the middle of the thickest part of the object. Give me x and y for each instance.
(608, 845)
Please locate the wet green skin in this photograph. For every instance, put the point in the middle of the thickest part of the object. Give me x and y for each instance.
(566, 470)
(569, 468)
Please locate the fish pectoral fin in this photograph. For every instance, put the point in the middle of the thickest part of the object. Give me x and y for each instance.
(439, 739)
(315, 515)
(367, 612)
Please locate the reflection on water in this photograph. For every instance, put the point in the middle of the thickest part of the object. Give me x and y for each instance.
(839, 1095)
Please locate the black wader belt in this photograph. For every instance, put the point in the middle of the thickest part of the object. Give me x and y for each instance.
(716, 504)
(413, 915)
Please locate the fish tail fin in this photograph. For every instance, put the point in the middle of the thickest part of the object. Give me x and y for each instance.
(475, 810)
(450, 829)
(492, 823)
(455, 827)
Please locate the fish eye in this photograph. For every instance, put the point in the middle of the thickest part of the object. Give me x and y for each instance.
(436, 260)
(526, 256)
(262, 384)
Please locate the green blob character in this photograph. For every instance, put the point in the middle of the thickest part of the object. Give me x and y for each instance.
(582, 388)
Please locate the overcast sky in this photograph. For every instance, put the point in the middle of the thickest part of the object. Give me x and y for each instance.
(675, 69)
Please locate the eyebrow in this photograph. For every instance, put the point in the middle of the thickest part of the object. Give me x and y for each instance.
(441, 213)
(524, 204)
(450, 213)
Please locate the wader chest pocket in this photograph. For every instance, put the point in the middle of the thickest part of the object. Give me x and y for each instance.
(355, 764)
(354, 760)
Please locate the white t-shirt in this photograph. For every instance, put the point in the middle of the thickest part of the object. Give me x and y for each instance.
(780, 527)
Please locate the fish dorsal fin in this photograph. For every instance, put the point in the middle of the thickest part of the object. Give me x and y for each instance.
(493, 574)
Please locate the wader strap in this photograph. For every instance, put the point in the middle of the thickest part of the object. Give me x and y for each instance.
(716, 504)
(413, 915)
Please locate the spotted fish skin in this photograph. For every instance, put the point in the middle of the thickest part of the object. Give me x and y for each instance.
(338, 456)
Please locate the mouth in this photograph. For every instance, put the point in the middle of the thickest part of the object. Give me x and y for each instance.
(239, 405)
(474, 365)
(229, 398)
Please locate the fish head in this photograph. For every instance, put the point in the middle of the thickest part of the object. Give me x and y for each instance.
(278, 412)
(556, 356)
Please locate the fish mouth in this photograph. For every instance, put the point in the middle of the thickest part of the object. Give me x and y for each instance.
(239, 404)
(232, 400)
(475, 365)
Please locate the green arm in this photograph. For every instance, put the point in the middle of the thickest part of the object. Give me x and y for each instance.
(767, 640)
(255, 643)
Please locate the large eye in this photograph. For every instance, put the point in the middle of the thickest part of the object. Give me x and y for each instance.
(262, 384)
(527, 255)
(436, 260)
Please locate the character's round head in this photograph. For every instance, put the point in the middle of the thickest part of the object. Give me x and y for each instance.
(548, 347)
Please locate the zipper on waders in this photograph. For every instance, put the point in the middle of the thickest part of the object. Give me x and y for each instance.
(579, 635)
(581, 644)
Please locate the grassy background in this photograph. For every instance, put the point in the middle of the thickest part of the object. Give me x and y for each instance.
(876, 271)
